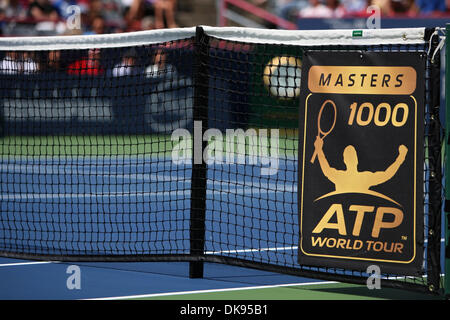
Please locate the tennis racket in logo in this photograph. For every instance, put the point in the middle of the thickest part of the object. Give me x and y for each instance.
(323, 121)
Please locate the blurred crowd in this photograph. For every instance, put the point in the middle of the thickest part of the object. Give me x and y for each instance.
(48, 17)
(295, 9)
(92, 62)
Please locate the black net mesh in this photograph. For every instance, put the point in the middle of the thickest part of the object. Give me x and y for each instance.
(93, 167)
(256, 213)
(86, 150)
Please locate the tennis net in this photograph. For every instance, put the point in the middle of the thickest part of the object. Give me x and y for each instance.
(180, 145)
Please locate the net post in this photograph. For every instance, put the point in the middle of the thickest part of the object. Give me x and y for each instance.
(198, 182)
(447, 165)
(435, 168)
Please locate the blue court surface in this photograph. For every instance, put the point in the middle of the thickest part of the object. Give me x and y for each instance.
(49, 280)
(130, 205)
(43, 280)
(133, 206)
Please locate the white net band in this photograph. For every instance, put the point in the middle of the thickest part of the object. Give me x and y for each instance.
(251, 35)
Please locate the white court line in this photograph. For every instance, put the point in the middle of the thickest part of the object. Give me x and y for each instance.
(46, 169)
(110, 158)
(231, 191)
(26, 263)
(31, 196)
(253, 250)
(224, 290)
(214, 290)
(268, 249)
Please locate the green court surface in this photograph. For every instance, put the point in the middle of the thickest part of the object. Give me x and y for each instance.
(128, 145)
(324, 291)
(118, 146)
(46, 146)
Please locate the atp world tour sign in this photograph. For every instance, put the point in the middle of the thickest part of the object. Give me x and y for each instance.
(361, 161)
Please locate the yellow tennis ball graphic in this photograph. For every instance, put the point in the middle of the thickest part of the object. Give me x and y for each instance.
(282, 77)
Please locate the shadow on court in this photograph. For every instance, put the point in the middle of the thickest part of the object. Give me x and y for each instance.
(349, 291)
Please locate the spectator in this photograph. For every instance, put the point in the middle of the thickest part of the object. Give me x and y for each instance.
(43, 10)
(316, 9)
(137, 10)
(54, 60)
(113, 10)
(13, 9)
(50, 61)
(159, 65)
(94, 9)
(394, 7)
(97, 26)
(407, 7)
(384, 5)
(89, 65)
(336, 7)
(128, 65)
(14, 63)
(163, 12)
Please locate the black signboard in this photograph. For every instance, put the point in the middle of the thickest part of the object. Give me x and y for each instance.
(361, 160)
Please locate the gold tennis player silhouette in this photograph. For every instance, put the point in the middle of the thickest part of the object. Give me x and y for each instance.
(351, 180)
